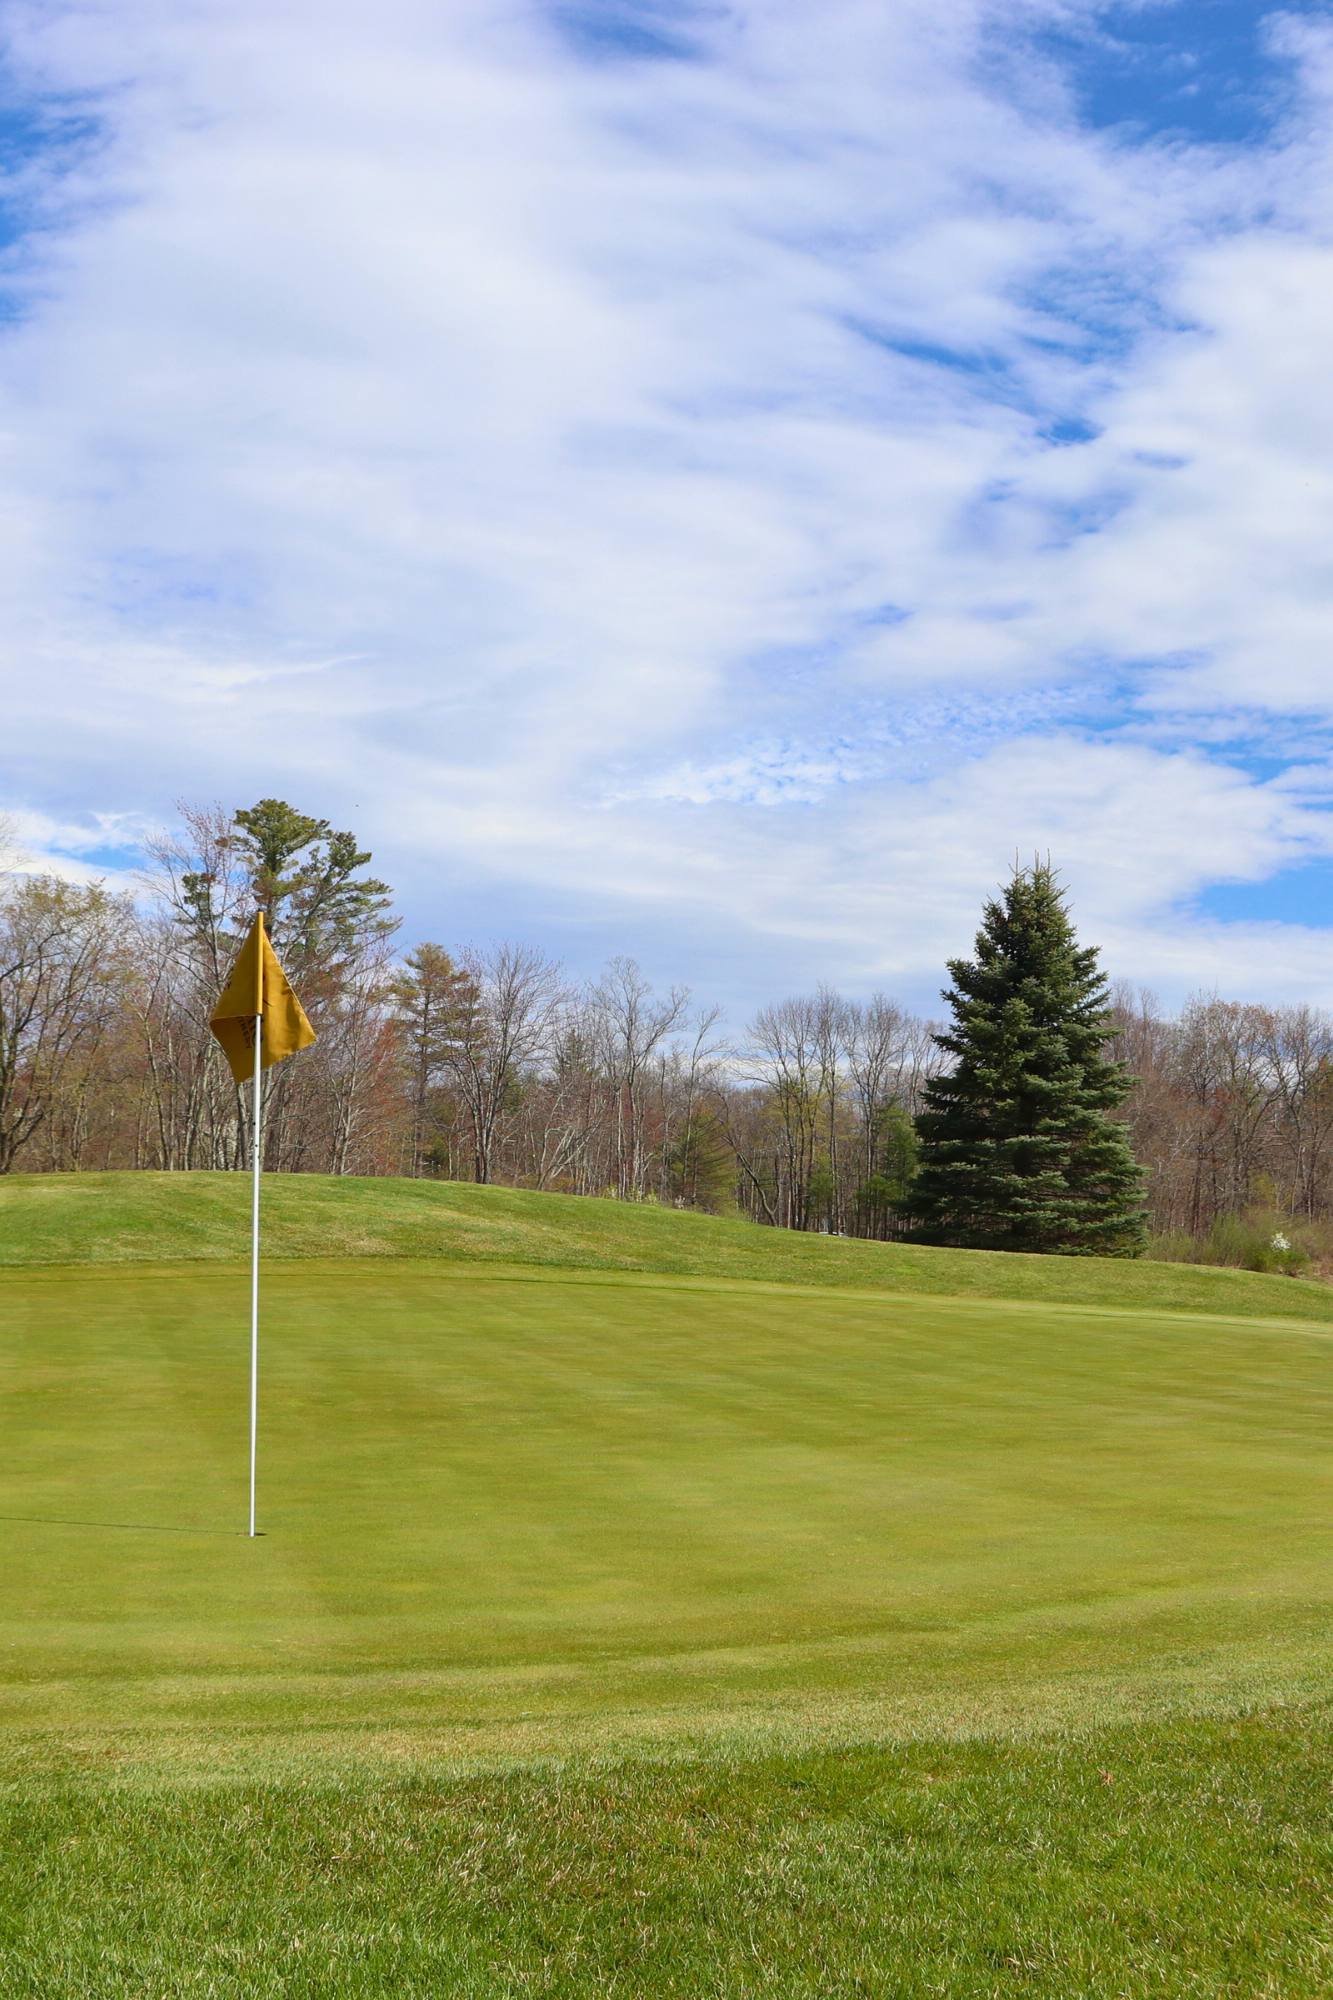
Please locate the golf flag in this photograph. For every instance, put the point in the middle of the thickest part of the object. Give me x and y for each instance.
(257, 1010)
(259, 991)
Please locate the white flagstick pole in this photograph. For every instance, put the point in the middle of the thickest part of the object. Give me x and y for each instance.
(254, 1273)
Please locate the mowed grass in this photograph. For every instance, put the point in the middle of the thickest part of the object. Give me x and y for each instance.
(125, 1218)
(626, 1633)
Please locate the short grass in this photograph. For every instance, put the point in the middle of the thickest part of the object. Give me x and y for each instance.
(621, 1632)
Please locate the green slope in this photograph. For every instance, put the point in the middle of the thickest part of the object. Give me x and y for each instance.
(650, 1606)
(123, 1218)
(516, 1512)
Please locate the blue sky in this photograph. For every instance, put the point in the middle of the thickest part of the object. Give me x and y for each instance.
(706, 481)
(1203, 70)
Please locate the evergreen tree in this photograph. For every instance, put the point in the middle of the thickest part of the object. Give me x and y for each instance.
(1018, 1147)
(433, 1003)
(320, 910)
(306, 877)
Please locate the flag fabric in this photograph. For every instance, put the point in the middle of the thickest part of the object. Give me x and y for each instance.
(259, 991)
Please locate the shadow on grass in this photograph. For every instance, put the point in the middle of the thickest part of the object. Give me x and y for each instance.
(131, 1527)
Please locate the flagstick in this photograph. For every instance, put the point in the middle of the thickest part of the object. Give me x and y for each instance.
(254, 1273)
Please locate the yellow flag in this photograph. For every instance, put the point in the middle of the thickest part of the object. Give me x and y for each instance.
(259, 991)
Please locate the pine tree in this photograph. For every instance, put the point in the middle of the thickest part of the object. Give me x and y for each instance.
(433, 1001)
(1019, 1150)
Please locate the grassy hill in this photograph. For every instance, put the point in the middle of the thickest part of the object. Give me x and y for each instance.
(650, 1605)
(127, 1218)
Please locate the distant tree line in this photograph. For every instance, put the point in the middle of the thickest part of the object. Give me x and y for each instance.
(485, 1065)
(1231, 1111)
(490, 1065)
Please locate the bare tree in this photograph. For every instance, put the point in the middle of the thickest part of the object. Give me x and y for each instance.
(58, 966)
(1299, 1055)
(750, 1128)
(877, 1044)
(198, 883)
(632, 1023)
(359, 1061)
(506, 1024)
(684, 1076)
(788, 1059)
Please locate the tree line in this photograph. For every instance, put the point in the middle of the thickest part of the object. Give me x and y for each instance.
(490, 1065)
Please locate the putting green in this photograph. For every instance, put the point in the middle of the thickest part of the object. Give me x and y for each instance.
(507, 1510)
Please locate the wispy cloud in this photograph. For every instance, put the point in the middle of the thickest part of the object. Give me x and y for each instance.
(544, 436)
(100, 847)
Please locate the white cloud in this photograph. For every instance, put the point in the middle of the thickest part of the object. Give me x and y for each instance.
(547, 465)
(32, 843)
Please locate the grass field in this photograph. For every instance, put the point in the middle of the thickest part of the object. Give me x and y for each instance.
(651, 1605)
(125, 1218)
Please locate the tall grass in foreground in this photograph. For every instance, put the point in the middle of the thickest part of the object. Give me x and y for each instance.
(1161, 1863)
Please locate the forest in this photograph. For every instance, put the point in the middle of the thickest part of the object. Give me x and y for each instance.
(491, 1065)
